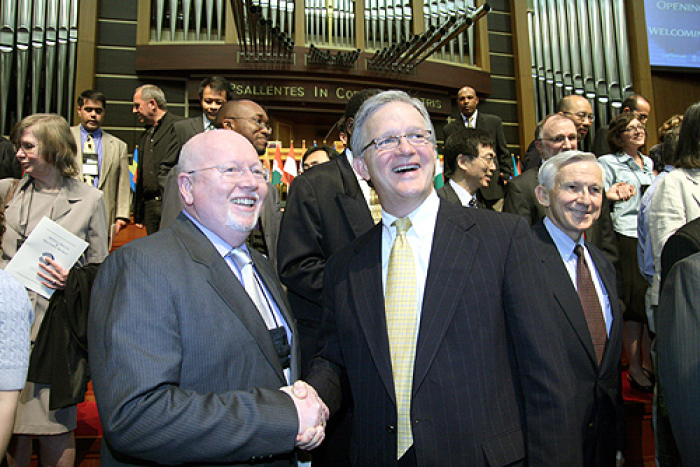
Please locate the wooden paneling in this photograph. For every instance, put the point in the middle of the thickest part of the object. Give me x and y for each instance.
(673, 93)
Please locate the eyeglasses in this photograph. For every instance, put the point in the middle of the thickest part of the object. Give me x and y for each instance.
(632, 129)
(561, 139)
(489, 159)
(582, 116)
(387, 143)
(257, 120)
(641, 117)
(261, 174)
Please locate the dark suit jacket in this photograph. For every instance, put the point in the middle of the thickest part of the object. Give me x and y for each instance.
(270, 216)
(600, 142)
(187, 128)
(493, 126)
(164, 140)
(488, 387)
(448, 193)
(598, 396)
(677, 331)
(521, 200)
(184, 368)
(325, 211)
(681, 244)
(9, 164)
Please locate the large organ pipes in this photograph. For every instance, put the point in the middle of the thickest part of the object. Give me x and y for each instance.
(533, 58)
(580, 47)
(63, 20)
(38, 37)
(574, 47)
(186, 8)
(469, 5)
(173, 19)
(586, 52)
(72, 54)
(23, 27)
(51, 38)
(7, 32)
(608, 29)
(210, 17)
(623, 55)
(553, 24)
(219, 19)
(197, 17)
(160, 13)
(563, 36)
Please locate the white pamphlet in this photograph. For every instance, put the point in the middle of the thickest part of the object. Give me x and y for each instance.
(47, 239)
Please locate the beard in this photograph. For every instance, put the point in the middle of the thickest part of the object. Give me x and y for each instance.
(243, 222)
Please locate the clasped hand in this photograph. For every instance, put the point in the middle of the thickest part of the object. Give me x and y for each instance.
(312, 412)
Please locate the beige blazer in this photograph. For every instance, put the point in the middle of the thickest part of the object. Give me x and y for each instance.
(114, 175)
(676, 202)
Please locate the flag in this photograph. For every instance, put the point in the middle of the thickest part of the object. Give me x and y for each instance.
(290, 166)
(277, 174)
(516, 166)
(439, 180)
(132, 169)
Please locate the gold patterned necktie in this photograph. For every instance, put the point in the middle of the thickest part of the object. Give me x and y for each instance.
(375, 208)
(402, 325)
(591, 305)
(89, 152)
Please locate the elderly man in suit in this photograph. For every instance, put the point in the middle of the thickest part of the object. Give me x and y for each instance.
(469, 165)
(192, 344)
(467, 101)
(105, 162)
(556, 133)
(587, 311)
(440, 372)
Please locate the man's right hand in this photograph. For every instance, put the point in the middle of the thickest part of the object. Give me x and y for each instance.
(312, 412)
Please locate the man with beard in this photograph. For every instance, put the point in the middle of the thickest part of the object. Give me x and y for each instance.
(249, 120)
(192, 343)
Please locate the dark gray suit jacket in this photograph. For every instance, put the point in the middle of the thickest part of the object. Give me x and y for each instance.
(183, 366)
(521, 200)
(493, 126)
(678, 348)
(490, 383)
(187, 128)
(598, 390)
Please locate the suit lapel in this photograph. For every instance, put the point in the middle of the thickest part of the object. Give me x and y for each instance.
(564, 292)
(366, 272)
(447, 266)
(228, 287)
(108, 150)
(352, 202)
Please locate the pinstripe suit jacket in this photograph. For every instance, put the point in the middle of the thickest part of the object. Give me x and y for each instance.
(184, 368)
(489, 382)
(187, 128)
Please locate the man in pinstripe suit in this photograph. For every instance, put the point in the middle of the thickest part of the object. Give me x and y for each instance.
(489, 382)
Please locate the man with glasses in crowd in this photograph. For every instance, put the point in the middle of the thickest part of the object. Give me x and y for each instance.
(556, 133)
(439, 375)
(635, 104)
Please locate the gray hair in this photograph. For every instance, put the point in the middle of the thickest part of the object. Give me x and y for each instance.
(151, 91)
(360, 134)
(547, 175)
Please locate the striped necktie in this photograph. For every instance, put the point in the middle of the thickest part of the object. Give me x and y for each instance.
(402, 327)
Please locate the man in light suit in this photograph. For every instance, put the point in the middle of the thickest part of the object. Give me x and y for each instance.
(571, 191)
(556, 133)
(469, 166)
(489, 383)
(467, 101)
(187, 368)
(252, 123)
(110, 153)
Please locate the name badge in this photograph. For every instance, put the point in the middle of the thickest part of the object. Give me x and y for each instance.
(90, 165)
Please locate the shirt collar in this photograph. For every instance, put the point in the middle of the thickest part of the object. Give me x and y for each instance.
(464, 196)
(206, 122)
(95, 134)
(563, 242)
(221, 246)
(422, 219)
(471, 119)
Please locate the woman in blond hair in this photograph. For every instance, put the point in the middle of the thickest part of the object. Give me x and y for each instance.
(47, 153)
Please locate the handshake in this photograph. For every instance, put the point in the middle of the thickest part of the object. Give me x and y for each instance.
(312, 412)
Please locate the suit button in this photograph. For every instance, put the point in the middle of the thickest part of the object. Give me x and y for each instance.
(391, 429)
(591, 426)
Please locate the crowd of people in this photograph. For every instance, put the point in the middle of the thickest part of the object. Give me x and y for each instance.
(375, 320)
